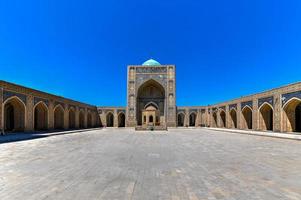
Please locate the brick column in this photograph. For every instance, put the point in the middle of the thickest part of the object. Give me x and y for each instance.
(227, 125)
(211, 118)
(198, 120)
(186, 120)
(115, 118)
(255, 115)
(51, 115)
(239, 116)
(277, 113)
(76, 117)
(66, 116)
(207, 120)
(218, 118)
(29, 123)
(86, 118)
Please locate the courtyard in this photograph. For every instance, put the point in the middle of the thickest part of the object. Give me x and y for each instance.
(124, 164)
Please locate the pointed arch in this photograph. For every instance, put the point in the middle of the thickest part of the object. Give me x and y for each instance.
(101, 123)
(151, 104)
(214, 120)
(40, 115)
(59, 116)
(110, 119)
(247, 117)
(72, 114)
(81, 119)
(233, 115)
(181, 119)
(89, 119)
(121, 119)
(192, 119)
(292, 100)
(266, 117)
(223, 118)
(151, 119)
(292, 115)
(14, 114)
(150, 92)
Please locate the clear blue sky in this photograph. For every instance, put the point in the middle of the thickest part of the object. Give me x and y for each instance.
(80, 49)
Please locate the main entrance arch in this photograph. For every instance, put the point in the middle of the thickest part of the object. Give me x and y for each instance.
(151, 93)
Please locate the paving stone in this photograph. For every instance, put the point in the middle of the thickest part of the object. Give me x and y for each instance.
(123, 164)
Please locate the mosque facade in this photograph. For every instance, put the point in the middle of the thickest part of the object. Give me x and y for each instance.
(151, 105)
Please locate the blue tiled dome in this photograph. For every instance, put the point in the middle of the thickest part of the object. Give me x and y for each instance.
(151, 62)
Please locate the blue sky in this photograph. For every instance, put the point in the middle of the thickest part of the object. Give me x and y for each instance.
(80, 49)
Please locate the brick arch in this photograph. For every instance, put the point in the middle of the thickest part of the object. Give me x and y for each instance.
(214, 119)
(58, 115)
(266, 117)
(121, 119)
(291, 115)
(150, 91)
(109, 119)
(81, 119)
(223, 118)
(180, 119)
(41, 116)
(14, 114)
(233, 117)
(192, 118)
(89, 120)
(72, 118)
(247, 117)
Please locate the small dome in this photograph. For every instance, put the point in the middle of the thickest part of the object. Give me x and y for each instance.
(151, 62)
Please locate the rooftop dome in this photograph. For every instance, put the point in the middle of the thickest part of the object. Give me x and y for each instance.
(151, 62)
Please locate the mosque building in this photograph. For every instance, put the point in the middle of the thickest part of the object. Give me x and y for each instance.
(151, 104)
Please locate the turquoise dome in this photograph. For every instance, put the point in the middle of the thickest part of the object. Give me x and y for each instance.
(151, 62)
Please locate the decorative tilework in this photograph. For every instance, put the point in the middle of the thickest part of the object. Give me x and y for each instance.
(223, 108)
(269, 100)
(107, 111)
(247, 103)
(160, 78)
(180, 110)
(233, 106)
(38, 99)
(193, 110)
(58, 103)
(8, 94)
(151, 69)
(120, 110)
(288, 96)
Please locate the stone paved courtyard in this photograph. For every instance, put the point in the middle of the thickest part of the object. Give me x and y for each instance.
(120, 164)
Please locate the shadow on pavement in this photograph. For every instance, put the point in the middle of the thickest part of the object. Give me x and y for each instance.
(16, 137)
